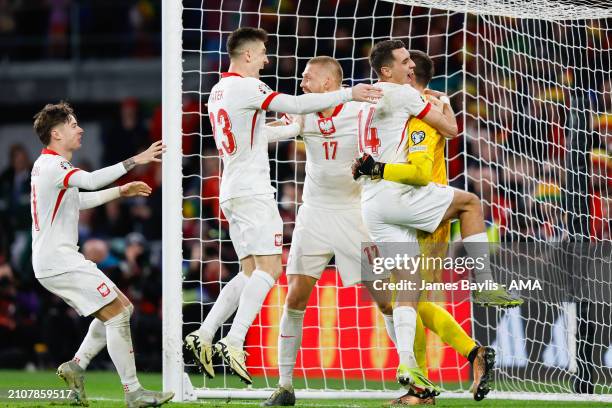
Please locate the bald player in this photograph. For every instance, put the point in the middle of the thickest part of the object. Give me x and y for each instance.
(236, 106)
(329, 222)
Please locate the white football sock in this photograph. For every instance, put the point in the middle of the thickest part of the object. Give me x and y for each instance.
(119, 343)
(390, 328)
(404, 322)
(225, 305)
(94, 341)
(251, 300)
(289, 342)
(477, 246)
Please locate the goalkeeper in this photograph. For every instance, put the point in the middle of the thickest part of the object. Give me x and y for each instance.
(418, 172)
(426, 145)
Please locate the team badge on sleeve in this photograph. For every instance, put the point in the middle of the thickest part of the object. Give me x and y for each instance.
(264, 89)
(417, 136)
(66, 165)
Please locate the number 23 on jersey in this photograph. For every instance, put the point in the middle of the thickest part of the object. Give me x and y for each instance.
(227, 142)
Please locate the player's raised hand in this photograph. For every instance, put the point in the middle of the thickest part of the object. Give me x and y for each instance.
(367, 166)
(151, 154)
(299, 119)
(135, 188)
(433, 92)
(366, 93)
(436, 103)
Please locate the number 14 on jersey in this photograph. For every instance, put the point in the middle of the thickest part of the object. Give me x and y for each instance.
(368, 135)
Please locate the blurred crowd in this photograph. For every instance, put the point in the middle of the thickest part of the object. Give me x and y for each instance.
(64, 29)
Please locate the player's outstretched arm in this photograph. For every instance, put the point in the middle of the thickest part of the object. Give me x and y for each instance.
(416, 173)
(103, 177)
(316, 102)
(279, 130)
(96, 198)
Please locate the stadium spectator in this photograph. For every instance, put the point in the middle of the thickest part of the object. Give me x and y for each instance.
(15, 209)
(58, 27)
(15, 189)
(126, 136)
(144, 24)
(7, 26)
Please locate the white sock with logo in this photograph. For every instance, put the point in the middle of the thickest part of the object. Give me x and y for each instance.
(289, 342)
(121, 351)
(93, 343)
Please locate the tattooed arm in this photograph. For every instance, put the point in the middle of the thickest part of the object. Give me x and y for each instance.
(103, 177)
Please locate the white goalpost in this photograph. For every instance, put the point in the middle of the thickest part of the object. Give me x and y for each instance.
(531, 87)
(172, 192)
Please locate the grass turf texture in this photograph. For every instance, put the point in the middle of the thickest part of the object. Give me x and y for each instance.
(104, 390)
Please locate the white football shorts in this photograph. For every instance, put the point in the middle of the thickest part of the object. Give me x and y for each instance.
(394, 214)
(255, 226)
(319, 235)
(85, 288)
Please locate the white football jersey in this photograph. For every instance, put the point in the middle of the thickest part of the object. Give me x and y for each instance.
(55, 216)
(236, 108)
(382, 127)
(331, 148)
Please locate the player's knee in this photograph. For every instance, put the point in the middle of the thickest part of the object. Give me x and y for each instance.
(271, 264)
(473, 200)
(120, 319)
(278, 271)
(296, 300)
(130, 309)
(386, 308)
(444, 326)
(468, 201)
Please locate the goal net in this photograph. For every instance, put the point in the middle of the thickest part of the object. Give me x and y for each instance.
(531, 87)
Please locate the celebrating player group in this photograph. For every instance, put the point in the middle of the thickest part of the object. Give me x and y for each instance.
(375, 172)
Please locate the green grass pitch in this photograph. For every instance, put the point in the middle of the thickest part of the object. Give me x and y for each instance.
(104, 390)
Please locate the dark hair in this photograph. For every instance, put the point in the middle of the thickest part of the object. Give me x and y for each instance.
(331, 63)
(382, 54)
(243, 35)
(424, 67)
(49, 117)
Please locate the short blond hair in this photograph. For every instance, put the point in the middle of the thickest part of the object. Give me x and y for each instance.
(331, 63)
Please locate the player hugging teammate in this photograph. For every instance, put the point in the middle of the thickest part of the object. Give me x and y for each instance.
(402, 192)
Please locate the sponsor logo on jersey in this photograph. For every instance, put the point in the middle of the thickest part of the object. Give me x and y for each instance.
(417, 149)
(104, 290)
(326, 126)
(66, 165)
(264, 89)
(417, 136)
(278, 240)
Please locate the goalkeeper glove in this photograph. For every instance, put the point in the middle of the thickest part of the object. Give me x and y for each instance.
(367, 166)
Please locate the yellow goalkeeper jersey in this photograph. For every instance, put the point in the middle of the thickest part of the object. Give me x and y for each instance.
(425, 140)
